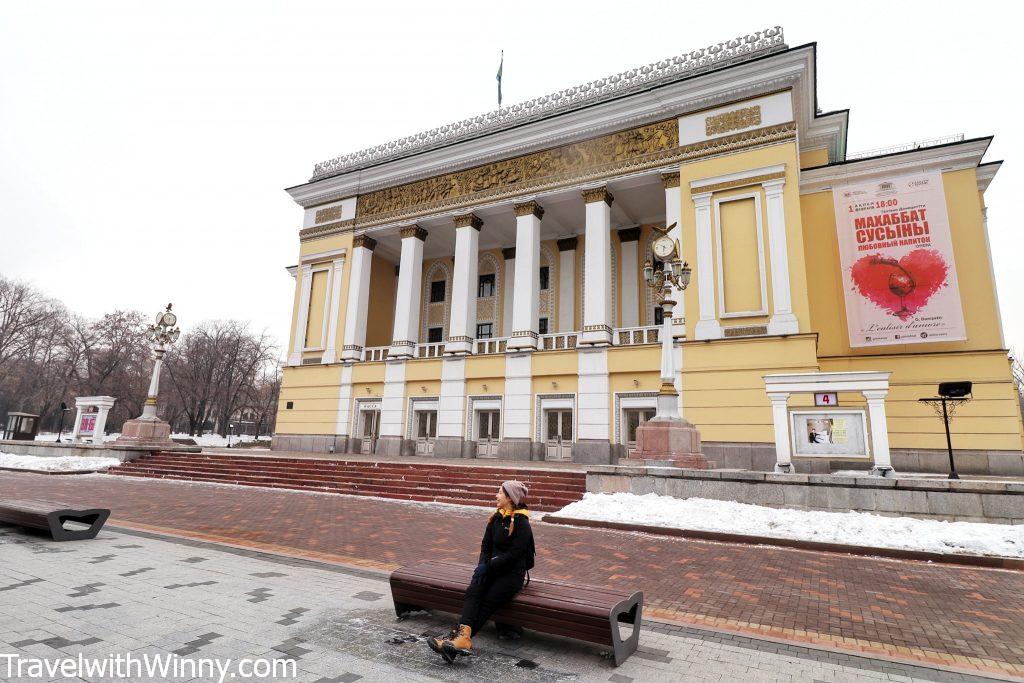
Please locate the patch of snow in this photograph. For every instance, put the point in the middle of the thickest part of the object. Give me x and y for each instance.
(850, 528)
(63, 463)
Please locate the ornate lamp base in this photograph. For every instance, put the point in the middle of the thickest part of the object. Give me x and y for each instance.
(146, 432)
(669, 442)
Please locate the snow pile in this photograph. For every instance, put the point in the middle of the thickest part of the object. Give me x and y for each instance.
(64, 463)
(218, 441)
(850, 528)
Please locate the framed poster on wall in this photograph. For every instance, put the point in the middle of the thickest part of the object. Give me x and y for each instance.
(830, 433)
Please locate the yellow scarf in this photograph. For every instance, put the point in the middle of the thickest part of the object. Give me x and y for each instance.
(506, 513)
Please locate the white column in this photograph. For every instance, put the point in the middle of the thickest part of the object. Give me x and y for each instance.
(593, 414)
(302, 318)
(344, 420)
(629, 284)
(334, 302)
(567, 284)
(451, 408)
(673, 206)
(101, 423)
(392, 404)
(782, 321)
(516, 407)
(597, 320)
(462, 322)
(526, 304)
(708, 326)
(407, 303)
(879, 432)
(780, 419)
(508, 286)
(78, 423)
(358, 298)
(679, 377)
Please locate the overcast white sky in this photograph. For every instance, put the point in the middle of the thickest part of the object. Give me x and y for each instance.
(144, 146)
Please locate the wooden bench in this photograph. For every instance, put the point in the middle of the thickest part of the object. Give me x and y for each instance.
(581, 612)
(50, 516)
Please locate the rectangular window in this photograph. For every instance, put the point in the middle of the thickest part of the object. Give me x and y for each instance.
(659, 315)
(437, 292)
(485, 286)
(545, 277)
(484, 330)
(434, 334)
(542, 326)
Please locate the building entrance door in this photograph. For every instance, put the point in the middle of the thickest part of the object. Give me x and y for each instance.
(633, 418)
(488, 433)
(558, 434)
(426, 431)
(370, 429)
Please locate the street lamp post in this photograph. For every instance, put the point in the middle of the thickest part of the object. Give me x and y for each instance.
(674, 273)
(148, 430)
(667, 438)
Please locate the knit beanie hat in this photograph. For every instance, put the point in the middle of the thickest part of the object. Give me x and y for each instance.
(516, 491)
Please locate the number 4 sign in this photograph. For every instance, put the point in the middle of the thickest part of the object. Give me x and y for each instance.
(827, 398)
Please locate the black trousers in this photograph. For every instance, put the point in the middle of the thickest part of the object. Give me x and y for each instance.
(485, 598)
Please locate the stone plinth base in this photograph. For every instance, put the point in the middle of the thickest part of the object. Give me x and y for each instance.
(149, 433)
(676, 443)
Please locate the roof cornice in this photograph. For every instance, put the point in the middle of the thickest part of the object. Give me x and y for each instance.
(791, 69)
(950, 157)
(603, 89)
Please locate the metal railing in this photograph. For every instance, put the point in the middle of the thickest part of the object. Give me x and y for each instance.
(919, 144)
(634, 336)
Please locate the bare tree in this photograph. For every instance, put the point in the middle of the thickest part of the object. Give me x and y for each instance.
(24, 311)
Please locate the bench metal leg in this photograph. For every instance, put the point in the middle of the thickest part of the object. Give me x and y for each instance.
(95, 519)
(402, 609)
(630, 612)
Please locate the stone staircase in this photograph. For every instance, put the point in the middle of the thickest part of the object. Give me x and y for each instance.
(424, 481)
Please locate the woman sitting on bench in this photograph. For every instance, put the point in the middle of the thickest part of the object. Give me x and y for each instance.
(506, 555)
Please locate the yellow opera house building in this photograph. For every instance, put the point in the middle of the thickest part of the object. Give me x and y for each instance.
(479, 290)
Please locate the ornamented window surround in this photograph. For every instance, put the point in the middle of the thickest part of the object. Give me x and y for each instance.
(495, 301)
(436, 271)
(719, 263)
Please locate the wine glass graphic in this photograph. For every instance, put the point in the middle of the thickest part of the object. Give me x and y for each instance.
(901, 284)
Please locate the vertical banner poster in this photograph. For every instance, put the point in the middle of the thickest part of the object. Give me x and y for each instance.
(896, 252)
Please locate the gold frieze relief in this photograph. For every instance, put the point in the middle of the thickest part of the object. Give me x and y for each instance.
(520, 171)
(733, 120)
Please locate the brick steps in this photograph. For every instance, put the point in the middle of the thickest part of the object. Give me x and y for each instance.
(421, 481)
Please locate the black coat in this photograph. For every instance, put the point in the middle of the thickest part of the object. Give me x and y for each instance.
(504, 553)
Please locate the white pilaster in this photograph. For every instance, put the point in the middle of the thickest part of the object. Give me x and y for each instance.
(708, 326)
(462, 323)
(354, 337)
(302, 319)
(78, 424)
(673, 206)
(782, 321)
(592, 420)
(879, 431)
(407, 302)
(392, 403)
(337, 270)
(516, 406)
(451, 407)
(101, 424)
(597, 318)
(341, 427)
(629, 242)
(566, 284)
(526, 304)
(780, 420)
(507, 289)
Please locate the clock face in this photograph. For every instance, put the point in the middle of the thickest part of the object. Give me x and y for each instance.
(663, 247)
(169, 319)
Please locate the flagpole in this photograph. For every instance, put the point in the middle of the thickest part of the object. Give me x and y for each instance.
(501, 66)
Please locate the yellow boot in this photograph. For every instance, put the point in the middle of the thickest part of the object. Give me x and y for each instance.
(461, 644)
(437, 644)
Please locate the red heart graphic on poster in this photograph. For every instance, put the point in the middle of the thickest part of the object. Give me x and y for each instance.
(900, 287)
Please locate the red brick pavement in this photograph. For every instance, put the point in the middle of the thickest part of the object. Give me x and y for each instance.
(956, 617)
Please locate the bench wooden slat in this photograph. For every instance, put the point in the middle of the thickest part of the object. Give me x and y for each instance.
(588, 613)
(49, 516)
